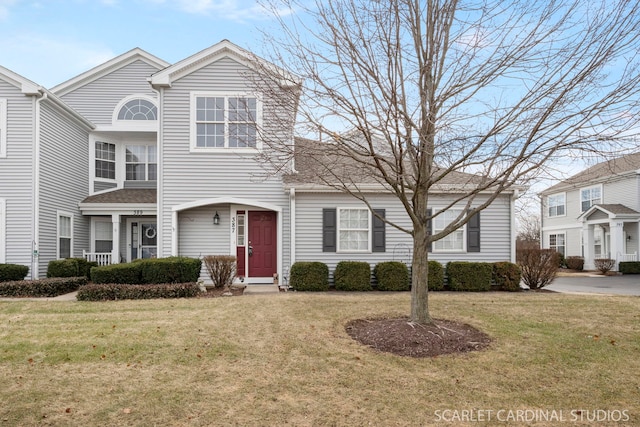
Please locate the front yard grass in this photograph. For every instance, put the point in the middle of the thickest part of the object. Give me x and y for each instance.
(286, 359)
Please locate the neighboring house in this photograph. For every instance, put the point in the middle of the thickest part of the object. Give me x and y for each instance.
(138, 158)
(595, 213)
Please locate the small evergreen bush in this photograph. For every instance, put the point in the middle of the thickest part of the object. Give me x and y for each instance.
(51, 287)
(436, 276)
(629, 267)
(392, 276)
(70, 267)
(10, 272)
(110, 292)
(506, 276)
(469, 276)
(127, 273)
(309, 276)
(574, 263)
(352, 276)
(170, 270)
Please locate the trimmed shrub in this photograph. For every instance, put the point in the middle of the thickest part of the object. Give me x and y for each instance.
(70, 267)
(603, 265)
(539, 266)
(352, 276)
(392, 276)
(574, 263)
(129, 273)
(169, 270)
(221, 268)
(469, 276)
(629, 267)
(51, 287)
(309, 276)
(507, 276)
(436, 276)
(111, 292)
(11, 272)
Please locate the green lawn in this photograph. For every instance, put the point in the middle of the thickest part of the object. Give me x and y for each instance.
(286, 359)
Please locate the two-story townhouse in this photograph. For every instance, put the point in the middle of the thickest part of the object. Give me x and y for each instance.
(595, 213)
(152, 160)
(44, 171)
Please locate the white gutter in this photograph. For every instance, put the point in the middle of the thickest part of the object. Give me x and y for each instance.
(514, 234)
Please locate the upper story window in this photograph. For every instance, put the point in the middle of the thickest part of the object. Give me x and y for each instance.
(141, 163)
(3, 127)
(224, 121)
(556, 205)
(590, 196)
(453, 242)
(138, 109)
(105, 160)
(353, 230)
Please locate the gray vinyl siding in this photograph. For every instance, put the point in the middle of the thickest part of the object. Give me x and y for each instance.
(64, 180)
(187, 177)
(101, 186)
(140, 184)
(97, 99)
(572, 240)
(624, 192)
(16, 175)
(495, 233)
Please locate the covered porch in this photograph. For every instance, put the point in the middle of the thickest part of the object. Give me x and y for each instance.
(610, 231)
(123, 225)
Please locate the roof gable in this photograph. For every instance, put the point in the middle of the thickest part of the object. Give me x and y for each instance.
(611, 168)
(223, 49)
(615, 210)
(108, 67)
(25, 85)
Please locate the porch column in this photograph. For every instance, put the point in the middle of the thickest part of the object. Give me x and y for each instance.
(115, 229)
(587, 246)
(617, 240)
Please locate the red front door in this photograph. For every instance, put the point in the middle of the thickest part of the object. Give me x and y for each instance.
(263, 247)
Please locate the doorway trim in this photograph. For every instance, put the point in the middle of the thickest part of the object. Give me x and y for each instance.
(131, 220)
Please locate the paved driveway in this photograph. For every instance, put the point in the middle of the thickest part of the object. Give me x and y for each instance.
(628, 284)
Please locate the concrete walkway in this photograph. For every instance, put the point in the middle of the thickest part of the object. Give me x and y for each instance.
(260, 289)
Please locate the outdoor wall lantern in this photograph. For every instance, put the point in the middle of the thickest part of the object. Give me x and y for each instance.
(216, 219)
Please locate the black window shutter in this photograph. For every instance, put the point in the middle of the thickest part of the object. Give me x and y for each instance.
(429, 230)
(329, 230)
(379, 237)
(473, 233)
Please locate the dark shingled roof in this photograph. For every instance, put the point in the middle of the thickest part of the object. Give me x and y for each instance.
(617, 208)
(617, 166)
(319, 162)
(126, 195)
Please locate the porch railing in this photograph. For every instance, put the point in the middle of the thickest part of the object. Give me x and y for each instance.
(628, 257)
(102, 258)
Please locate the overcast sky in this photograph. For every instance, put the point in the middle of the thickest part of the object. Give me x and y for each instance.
(51, 41)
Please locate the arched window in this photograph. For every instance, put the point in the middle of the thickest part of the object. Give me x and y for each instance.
(138, 109)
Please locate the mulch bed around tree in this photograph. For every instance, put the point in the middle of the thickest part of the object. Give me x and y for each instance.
(403, 338)
(221, 292)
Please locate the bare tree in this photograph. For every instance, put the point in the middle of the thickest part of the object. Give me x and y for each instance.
(489, 92)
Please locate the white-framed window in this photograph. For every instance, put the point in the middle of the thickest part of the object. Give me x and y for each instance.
(354, 230)
(102, 236)
(141, 163)
(138, 109)
(556, 205)
(224, 121)
(453, 242)
(105, 163)
(65, 235)
(598, 238)
(3, 230)
(557, 242)
(3, 128)
(590, 196)
(241, 234)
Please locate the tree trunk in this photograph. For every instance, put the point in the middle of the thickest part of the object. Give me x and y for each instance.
(420, 276)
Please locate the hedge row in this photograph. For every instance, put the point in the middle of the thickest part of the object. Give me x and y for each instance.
(149, 271)
(395, 276)
(112, 292)
(12, 272)
(629, 267)
(70, 267)
(42, 288)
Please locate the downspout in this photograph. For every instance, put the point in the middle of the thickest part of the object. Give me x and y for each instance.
(292, 227)
(35, 255)
(514, 234)
(159, 186)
